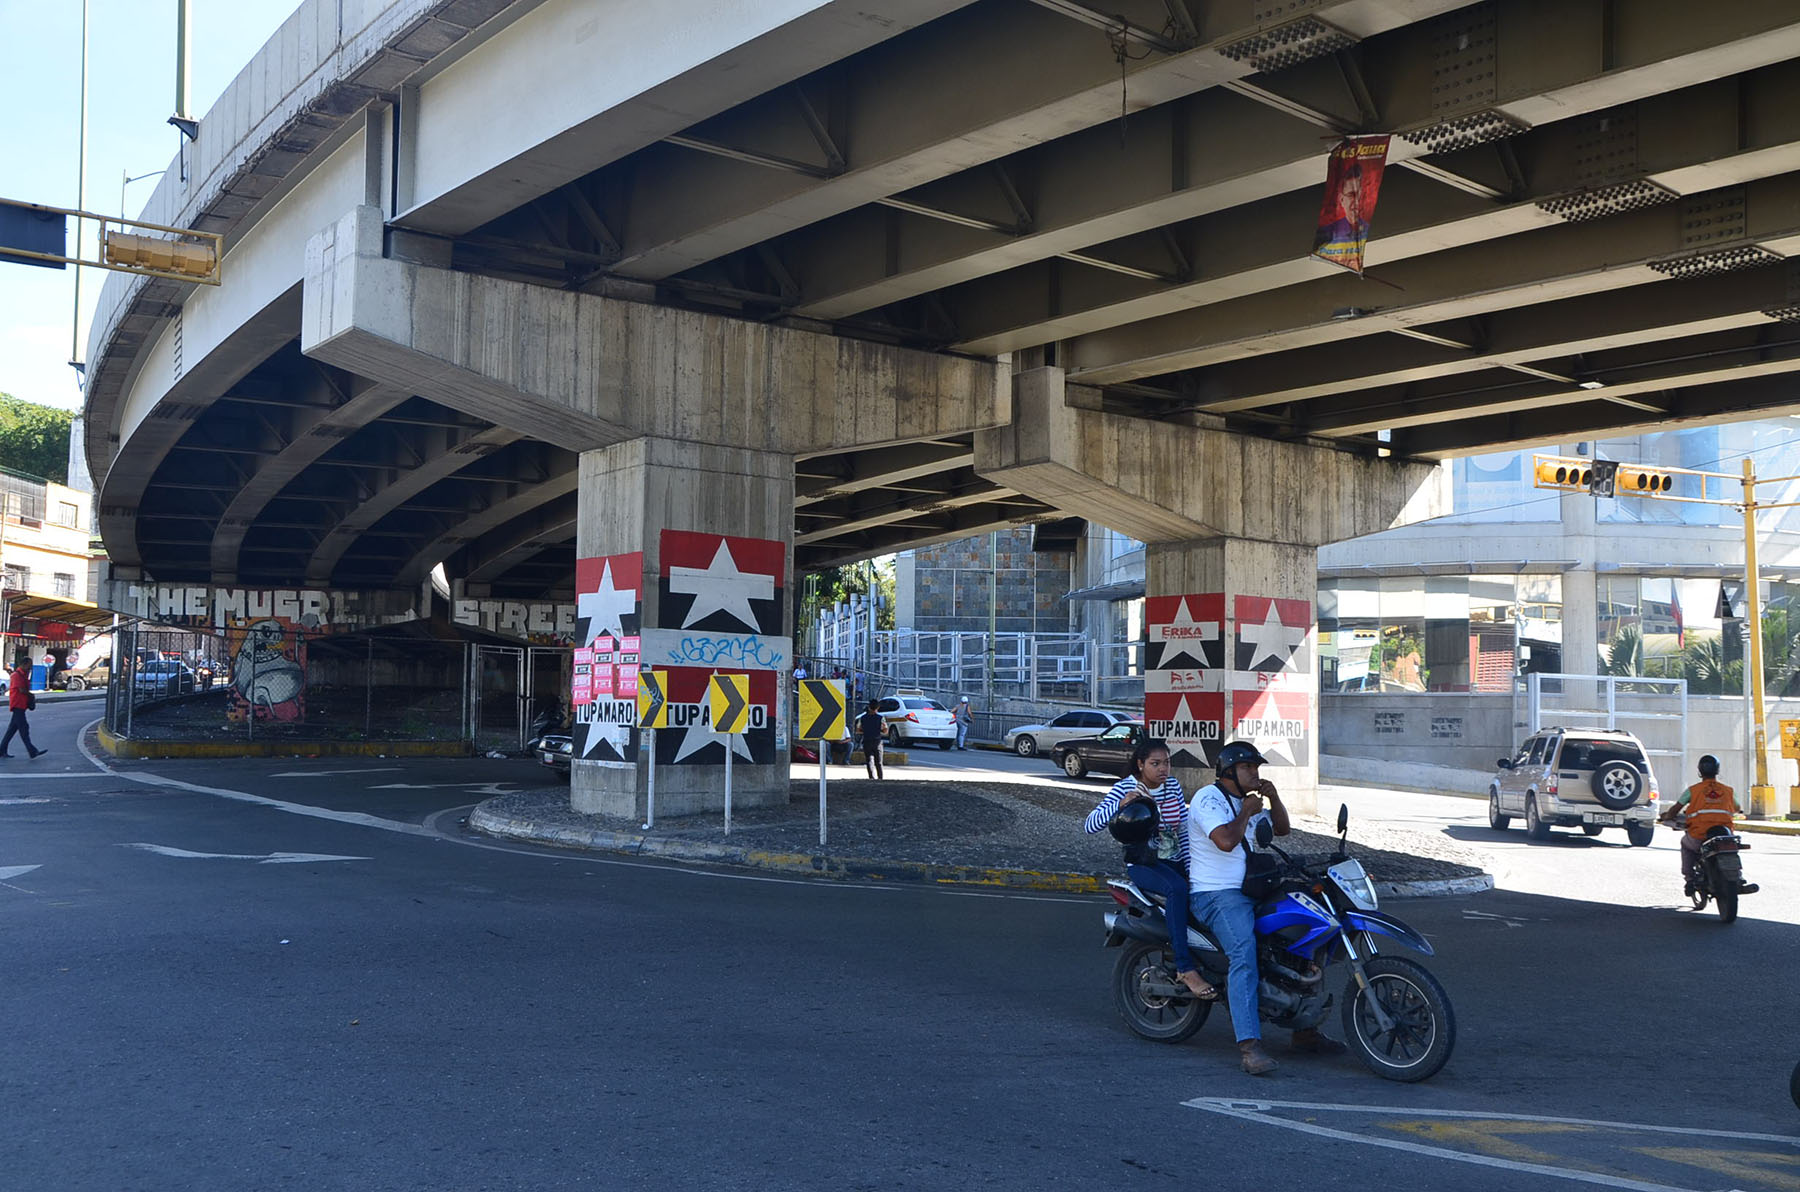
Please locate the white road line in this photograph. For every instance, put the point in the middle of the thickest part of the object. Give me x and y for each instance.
(1257, 1111)
(260, 858)
(342, 817)
(327, 773)
(8, 873)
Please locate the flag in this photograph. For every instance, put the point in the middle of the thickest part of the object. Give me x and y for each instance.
(1352, 183)
(1675, 611)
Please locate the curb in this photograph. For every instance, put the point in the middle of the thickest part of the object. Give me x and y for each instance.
(126, 747)
(1770, 827)
(637, 844)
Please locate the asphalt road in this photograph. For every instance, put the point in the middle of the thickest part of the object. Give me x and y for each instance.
(257, 974)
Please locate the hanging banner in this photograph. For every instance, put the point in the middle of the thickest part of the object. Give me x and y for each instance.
(1352, 183)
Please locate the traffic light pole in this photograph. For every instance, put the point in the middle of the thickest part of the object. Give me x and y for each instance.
(1762, 795)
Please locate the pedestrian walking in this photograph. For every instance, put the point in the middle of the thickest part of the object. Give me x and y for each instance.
(20, 701)
(869, 725)
(964, 717)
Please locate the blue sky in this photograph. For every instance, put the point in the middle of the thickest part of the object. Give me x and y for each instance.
(131, 93)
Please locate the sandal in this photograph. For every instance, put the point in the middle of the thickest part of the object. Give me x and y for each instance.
(1206, 992)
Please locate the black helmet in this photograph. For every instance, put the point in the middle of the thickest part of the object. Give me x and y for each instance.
(1709, 766)
(1236, 754)
(1135, 822)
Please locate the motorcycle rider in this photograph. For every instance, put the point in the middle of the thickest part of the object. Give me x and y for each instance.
(1158, 866)
(1225, 815)
(1709, 803)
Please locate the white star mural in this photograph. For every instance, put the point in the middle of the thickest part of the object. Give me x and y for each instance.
(605, 608)
(699, 736)
(1184, 637)
(1272, 639)
(720, 587)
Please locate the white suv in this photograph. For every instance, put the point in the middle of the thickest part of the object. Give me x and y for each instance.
(1578, 778)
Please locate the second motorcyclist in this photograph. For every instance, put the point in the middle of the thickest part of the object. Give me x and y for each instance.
(1708, 804)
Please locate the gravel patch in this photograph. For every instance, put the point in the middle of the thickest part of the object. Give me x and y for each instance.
(974, 824)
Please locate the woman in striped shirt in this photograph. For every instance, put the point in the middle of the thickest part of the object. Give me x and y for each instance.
(1159, 866)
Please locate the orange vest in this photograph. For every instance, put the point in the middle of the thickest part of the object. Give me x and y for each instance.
(1709, 803)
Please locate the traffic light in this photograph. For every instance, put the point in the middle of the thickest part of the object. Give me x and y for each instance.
(1552, 471)
(1636, 481)
(164, 256)
(1601, 477)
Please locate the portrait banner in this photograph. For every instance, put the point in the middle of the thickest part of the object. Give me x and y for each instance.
(1352, 184)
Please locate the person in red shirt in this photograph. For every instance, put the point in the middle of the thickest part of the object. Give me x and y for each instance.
(18, 699)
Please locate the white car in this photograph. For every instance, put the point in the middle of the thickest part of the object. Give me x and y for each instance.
(1032, 739)
(914, 716)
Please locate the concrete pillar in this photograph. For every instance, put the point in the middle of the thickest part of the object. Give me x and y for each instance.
(1233, 524)
(1233, 656)
(702, 537)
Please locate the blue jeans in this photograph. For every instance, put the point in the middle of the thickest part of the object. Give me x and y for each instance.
(962, 733)
(1168, 880)
(1231, 917)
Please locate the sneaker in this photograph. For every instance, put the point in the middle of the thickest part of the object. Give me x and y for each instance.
(5, 757)
(1749, 888)
(36, 753)
(1254, 1059)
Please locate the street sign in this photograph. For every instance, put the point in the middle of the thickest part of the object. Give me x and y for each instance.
(729, 696)
(1790, 738)
(822, 705)
(653, 699)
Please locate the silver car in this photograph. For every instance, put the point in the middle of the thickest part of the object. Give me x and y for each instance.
(1592, 779)
(1029, 740)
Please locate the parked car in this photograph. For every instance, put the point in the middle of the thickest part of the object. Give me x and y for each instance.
(1587, 778)
(554, 749)
(914, 716)
(1032, 739)
(97, 675)
(164, 676)
(1108, 753)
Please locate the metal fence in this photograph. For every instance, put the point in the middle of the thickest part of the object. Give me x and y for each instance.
(267, 681)
(1038, 667)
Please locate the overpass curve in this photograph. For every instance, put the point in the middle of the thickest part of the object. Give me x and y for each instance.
(1585, 230)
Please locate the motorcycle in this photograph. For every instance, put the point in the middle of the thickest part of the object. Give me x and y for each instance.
(1720, 875)
(1396, 1016)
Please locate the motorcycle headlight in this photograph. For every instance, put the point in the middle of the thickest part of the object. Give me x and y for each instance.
(1354, 882)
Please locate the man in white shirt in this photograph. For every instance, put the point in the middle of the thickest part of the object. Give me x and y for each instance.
(1225, 815)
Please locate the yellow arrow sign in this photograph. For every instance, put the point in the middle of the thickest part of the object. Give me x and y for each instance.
(822, 704)
(653, 699)
(730, 699)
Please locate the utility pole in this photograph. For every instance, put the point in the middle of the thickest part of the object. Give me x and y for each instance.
(1762, 795)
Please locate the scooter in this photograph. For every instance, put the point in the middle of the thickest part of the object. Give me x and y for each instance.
(1720, 875)
(1396, 1016)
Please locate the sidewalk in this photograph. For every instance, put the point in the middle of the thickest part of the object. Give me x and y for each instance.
(942, 831)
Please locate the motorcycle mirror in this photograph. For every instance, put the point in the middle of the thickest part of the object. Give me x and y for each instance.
(1343, 818)
(1264, 833)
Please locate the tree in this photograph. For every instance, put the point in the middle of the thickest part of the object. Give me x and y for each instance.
(828, 586)
(35, 439)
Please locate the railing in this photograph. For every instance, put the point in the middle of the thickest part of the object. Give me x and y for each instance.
(1040, 667)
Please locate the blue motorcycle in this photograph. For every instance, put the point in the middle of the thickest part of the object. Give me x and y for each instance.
(1396, 1016)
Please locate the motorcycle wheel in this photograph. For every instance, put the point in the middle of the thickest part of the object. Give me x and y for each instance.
(1725, 893)
(1424, 1029)
(1153, 1016)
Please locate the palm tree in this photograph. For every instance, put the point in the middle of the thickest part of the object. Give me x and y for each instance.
(1626, 654)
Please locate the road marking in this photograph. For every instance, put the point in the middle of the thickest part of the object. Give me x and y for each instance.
(1249, 1110)
(342, 817)
(325, 773)
(1756, 1166)
(165, 850)
(1509, 920)
(478, 788)
(9, 872)
(26, 799)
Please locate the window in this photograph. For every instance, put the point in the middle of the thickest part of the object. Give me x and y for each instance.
(1119, 732)
(67, 514)
(1537, 752)
(1067, 720)
(63, 585)
(1591, 755)
(18, 578)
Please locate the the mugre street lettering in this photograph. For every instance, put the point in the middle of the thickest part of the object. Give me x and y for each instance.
(1271, 727)
(1184, 730)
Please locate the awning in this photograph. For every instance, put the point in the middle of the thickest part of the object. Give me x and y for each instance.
(54, 608)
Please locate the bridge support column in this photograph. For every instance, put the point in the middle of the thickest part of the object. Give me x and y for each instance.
(687, 548)
(1233, 524)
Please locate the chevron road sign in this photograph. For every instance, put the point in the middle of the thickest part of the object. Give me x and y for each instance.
(729, 696)
(653, 699)
(822, 704)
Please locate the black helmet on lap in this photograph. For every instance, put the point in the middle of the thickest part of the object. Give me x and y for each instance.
(1135, 822)
(1236, 754)
(1709, 766)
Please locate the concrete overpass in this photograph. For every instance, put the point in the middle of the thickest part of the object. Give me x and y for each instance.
(512, 282)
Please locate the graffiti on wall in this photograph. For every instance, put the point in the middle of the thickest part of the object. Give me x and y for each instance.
(268, 671)
(1197, 695)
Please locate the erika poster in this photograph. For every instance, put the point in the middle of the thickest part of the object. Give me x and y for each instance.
(1352, 184)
